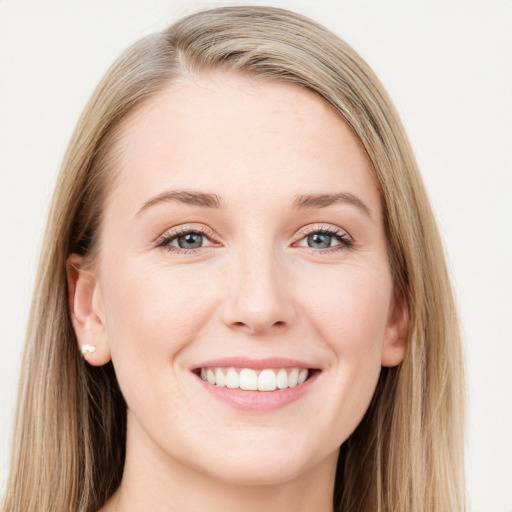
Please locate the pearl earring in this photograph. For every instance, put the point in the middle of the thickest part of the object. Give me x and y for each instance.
(87, 349)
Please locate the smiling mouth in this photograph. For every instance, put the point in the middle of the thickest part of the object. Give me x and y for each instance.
(265, 379)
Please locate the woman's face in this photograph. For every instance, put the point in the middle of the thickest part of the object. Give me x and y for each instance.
(244, 231)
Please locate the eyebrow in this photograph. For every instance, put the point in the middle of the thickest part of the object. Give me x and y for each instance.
(301, 202)
(309, 201)
(189, 197)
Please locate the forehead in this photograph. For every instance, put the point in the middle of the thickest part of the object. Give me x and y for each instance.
(232, 134)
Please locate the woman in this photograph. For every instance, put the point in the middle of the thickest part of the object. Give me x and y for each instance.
(241, 248)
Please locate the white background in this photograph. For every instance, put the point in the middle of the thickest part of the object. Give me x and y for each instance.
(447, 65)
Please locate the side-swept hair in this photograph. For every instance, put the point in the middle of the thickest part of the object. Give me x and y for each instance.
(407, 454)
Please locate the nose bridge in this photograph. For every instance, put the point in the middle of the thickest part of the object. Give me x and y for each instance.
(258, 299)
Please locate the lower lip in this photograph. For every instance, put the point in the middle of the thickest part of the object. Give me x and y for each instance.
(259, 400)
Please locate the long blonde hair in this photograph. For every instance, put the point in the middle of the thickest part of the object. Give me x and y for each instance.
(407, 453)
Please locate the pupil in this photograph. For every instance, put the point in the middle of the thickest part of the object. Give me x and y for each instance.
(319, 240)
(190, 241)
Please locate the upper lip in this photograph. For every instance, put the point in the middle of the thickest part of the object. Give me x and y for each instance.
(257, 364)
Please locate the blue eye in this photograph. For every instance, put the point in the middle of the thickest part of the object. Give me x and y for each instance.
(190, 241)
(185, 240)
(326, 239)
(319, 240)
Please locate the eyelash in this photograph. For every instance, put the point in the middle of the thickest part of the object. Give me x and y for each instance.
(345, 242)
(167, 238)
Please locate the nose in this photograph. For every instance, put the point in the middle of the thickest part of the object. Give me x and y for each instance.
(258, 296)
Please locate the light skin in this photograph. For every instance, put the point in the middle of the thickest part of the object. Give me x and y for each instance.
(288, 260)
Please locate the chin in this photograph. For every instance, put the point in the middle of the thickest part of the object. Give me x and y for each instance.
(250, 473)
(257, 461)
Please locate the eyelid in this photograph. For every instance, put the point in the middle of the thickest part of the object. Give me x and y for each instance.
(344, 238)
(182, 229)
(324, 228)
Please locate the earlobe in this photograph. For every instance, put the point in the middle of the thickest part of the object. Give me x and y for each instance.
(87, 314)
(395, 339)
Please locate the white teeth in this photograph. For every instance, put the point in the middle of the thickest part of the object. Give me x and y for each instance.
(220, 379)
(303, 375)
(210, 376)
(267, 380)
(282, 379)
(232, 379)
(249, 379)
(292, 378)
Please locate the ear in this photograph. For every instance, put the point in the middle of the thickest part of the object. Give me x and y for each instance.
(395, 339)
(87, 312)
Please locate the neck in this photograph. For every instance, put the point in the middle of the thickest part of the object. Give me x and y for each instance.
(163, 484)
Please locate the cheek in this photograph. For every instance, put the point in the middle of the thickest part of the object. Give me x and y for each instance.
(152, 316)
(350, 314)
(351, 308)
